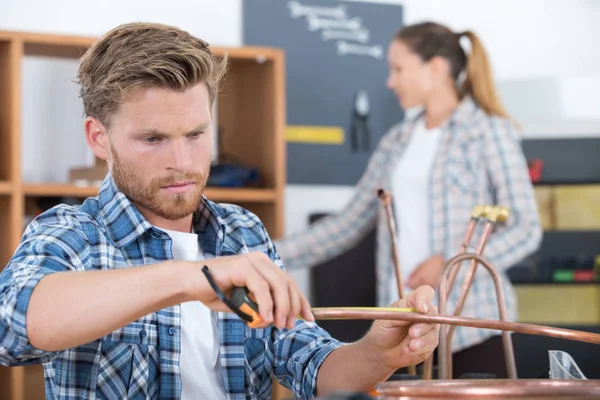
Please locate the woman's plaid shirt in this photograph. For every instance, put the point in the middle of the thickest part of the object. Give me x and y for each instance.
(479, 161)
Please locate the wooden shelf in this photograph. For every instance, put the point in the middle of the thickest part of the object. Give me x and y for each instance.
(251, 112)
(5, 187)
(50, 45)
(242, 195)
(58, 190)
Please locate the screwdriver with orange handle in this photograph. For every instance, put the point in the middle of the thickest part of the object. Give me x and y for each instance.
(242, 302)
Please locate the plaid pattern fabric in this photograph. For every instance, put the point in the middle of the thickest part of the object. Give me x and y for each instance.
(479, 160)
(141, 360)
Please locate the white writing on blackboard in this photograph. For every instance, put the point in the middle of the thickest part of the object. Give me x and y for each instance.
(350, 48)
(298, 10)
(360, 35)
(316, 23)
(335, 25)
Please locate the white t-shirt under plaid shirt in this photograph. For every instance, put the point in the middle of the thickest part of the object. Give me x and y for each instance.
(410, 190)
(201, 371)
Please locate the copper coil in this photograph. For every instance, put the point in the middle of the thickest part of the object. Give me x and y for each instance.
(531, 329)
(490, 388)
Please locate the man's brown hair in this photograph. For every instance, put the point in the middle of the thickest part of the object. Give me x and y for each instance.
(137, 55)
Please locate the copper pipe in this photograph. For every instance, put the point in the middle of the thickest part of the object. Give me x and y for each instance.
(386, 200)
(492, 215)
(428, 364)
(465, 243)
(428, 368)
(444, 350)
(465, 288)
(487, 231)
(490, 388)
(341, 313)
(475, 216)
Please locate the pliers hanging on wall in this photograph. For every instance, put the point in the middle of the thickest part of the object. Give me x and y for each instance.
(360, 122)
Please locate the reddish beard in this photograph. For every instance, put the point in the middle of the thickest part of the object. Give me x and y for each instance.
(148, 196)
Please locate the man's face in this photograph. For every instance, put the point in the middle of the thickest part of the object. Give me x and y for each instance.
(160, 149)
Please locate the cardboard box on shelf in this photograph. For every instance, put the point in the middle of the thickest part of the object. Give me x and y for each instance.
(88, 176)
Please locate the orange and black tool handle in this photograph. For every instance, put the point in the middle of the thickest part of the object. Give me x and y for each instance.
(241, 301)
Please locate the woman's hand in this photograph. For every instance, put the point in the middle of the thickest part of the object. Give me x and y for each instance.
(427, 273)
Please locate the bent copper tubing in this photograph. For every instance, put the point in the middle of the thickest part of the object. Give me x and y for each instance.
(474, 220)
(341, 313)
(466, 286)
(386, 200)
(475, 216)
(445, 359)
(492, 215)
(487, 231)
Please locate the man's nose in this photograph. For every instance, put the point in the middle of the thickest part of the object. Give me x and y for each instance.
(181, 154)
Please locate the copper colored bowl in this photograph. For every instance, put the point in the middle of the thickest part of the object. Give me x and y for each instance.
(490, 389)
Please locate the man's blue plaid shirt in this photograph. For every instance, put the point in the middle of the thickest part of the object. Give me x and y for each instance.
(141, 360)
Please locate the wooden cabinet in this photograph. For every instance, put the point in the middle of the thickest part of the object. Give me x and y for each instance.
(251, 118)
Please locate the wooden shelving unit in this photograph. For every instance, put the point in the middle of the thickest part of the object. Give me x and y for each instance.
(251, 112)
(242, 195)
(5, 188)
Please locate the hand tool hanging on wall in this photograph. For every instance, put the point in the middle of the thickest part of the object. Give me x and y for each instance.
(360, 131)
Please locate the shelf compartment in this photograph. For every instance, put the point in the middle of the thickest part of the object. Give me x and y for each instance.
(233, 195)
(5, 187)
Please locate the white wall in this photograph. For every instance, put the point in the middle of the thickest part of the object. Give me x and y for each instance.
(543, 52)
(57, 125)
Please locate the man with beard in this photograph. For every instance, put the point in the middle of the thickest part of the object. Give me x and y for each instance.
(112, 297)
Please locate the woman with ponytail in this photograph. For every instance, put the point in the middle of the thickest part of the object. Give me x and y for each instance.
(460, 150)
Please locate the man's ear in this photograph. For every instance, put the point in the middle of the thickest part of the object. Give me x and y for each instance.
(97, 137)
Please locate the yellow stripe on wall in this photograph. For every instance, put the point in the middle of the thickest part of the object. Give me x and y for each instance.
(314, 134)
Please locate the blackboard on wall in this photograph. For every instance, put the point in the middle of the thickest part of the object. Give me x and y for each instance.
(333, 49)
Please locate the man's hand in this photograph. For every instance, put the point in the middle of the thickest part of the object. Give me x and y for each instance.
(397, 344)
(427, 273)
(279, 300)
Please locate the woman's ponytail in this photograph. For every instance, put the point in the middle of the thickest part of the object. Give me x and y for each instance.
(479, 81)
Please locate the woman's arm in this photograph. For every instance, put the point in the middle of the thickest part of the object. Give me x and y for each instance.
(335, 234)
(521, 235)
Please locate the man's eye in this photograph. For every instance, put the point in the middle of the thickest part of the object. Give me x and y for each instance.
(153, 139)
(196, 134)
